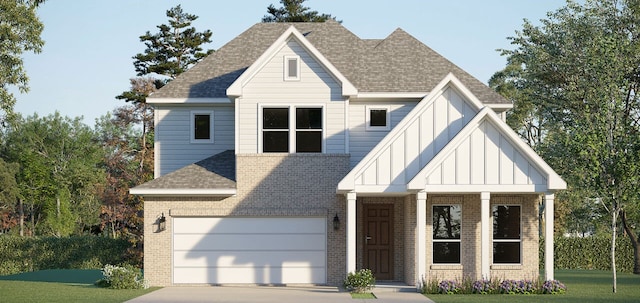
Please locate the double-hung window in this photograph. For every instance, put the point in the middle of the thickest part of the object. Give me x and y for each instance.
(447, 222)
(506, 234)
(292, 129)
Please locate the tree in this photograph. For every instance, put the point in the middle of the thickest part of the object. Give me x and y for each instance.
(175, 48)
(58, 158)
(20, 30)
(8, 195)
(294, 11)
(579, 73)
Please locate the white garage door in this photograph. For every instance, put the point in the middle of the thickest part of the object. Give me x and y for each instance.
(249, 250)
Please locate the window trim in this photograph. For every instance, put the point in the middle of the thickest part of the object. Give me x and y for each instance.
(368, 109)
(286, 65)
(192, 130)
(519, 240)
(292, 126)
(433, 240)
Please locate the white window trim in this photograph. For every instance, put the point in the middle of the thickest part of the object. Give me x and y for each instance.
(368, 110)
(286, 75)
(507, 240)
(446, 240)
(292, 124)
(192, 131)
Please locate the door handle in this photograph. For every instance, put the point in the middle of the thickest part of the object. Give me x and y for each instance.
(366, 239)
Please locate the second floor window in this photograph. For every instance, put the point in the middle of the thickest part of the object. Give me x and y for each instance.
(278, 135)
(201, 126)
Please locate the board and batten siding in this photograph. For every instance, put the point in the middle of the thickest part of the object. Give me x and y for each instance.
(173, 147)
(423, 136)
(486, 157)
(361, 140)
(268, 87)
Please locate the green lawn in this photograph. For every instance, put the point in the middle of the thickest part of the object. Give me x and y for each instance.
(61, 286)
(583, 286)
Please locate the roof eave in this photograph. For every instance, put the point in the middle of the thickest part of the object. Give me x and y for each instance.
(183, 192)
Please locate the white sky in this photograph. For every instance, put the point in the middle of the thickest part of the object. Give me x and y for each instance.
(86, 60)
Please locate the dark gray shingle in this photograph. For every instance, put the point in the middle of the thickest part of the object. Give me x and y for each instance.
(398, 63)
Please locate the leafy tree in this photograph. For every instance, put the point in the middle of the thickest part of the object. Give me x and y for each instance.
(8, 195)
(294, 11)
(58, 158)
(577, 75)
(20, 30)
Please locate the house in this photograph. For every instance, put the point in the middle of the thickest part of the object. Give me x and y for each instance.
(299, 152)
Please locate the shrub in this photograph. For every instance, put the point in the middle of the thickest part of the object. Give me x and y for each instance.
(24, 254)
(517, 287)
(483, 286)
(590, 253)
(360, 281)
(448, 287)
(122, 277)
(553, 287)
(430, 286)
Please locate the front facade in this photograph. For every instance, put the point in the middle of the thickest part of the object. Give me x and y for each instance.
(299, 152)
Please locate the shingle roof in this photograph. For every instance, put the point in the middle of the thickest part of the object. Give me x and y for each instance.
(398, 63)
(215, 172)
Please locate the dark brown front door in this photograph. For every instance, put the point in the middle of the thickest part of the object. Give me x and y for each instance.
(378, 241)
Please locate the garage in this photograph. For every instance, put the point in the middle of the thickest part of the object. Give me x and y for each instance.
(235, 250)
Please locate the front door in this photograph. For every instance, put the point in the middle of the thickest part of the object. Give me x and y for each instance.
(378, 241)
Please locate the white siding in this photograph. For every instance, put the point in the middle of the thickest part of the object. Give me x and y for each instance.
(173, 149)
(486, 157)
(421, 139)
(316, 86)
(361, 141)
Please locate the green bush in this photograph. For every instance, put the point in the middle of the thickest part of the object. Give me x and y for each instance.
(24, 254)
(592, 253)
(122, 277)
(360, 281)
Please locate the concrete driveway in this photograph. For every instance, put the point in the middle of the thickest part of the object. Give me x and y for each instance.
(256, 294)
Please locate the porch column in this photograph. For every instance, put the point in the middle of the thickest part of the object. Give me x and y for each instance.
(485, 236)
(351, 232)
(421, 238)
(548, 236)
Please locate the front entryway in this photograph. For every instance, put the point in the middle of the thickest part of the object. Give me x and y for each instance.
(378, 242)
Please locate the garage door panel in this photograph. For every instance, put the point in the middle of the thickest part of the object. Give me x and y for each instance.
(270, 275)
(206, 225)
(249, 259)
(249, 242)
(249, 250)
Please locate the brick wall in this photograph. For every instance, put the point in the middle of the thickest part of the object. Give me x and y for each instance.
(268, 185)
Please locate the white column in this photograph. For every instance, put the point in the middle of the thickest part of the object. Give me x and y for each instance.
(421, 237)
(548, 236)
(485, 235)
(351, 232)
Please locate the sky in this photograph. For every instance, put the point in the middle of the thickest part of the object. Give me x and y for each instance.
(89, 44)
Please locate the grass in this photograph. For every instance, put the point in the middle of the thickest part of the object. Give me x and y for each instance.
(583, 286)
(366, 295)
(61, 286)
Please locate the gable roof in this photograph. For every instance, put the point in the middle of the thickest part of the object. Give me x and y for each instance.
(398, 63)
(487, 155)
(291, 33)
(426, 144)
(213, 176)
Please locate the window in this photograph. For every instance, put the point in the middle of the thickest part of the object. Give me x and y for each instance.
(377, 118)
(201, 126)
(447, 221)
(506, 234)
(291, 68)
(275, 130)
(278, 137)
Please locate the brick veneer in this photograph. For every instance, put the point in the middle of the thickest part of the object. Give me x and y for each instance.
(267, 185)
